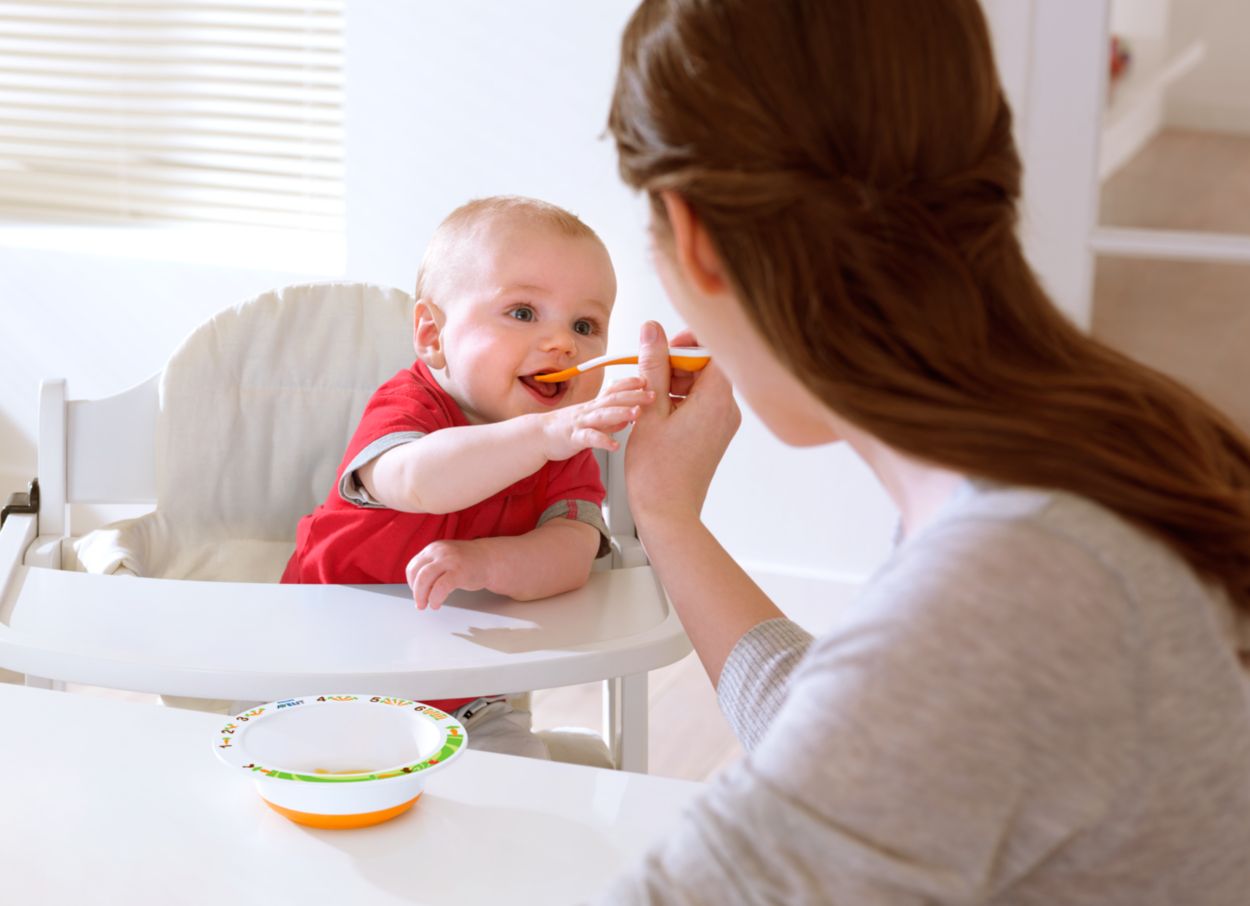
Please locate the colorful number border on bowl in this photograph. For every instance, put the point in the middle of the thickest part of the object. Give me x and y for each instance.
(451, 730)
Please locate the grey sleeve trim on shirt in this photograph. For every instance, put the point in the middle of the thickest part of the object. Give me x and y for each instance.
(756, 676)
(350, 489)
(586, 512)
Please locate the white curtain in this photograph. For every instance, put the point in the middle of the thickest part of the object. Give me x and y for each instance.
(172, 111)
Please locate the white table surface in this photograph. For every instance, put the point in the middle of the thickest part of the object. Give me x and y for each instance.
(106, 802)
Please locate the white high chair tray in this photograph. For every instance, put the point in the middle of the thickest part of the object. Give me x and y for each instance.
(229, 640)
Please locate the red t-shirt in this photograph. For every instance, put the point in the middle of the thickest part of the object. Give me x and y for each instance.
(355, 543)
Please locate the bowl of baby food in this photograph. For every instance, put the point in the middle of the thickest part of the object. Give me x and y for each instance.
(340, 761)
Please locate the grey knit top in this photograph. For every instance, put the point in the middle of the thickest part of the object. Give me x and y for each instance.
(1033, 702)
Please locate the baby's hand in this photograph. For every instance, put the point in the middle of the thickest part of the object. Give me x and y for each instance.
(444, 566)
(570, 430)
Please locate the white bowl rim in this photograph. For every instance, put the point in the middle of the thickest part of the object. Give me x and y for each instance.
(452, 738)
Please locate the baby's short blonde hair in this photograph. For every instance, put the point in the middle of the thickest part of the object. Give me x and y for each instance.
(472, 216)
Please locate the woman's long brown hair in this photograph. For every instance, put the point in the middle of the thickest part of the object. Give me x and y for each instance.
(853, 162)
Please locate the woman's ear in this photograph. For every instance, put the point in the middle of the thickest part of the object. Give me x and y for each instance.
(693, 249)
(427, 333)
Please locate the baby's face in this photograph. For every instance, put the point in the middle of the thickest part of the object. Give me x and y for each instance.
(523, 300)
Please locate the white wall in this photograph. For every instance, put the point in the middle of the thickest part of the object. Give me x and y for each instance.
(446, 102)
(487, 97)
(103, 323)
(1214, 96)
(1052, 55)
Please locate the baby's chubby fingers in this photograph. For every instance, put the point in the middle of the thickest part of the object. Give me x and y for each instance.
(622, 406)
(426, 568)
(606, 417)
(632, 396)
(450, 565)
(587, 437)
(636, 382)
(443, 586)
(426, 576)
(414, 566)
(625, 406)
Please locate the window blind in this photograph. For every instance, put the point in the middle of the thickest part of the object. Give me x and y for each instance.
(227, 112)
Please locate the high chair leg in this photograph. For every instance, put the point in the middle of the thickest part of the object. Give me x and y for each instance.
(625, 719)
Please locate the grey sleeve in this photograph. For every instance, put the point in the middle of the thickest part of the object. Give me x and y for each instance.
(923, 750)
(581, 511)
(756, 674)
(350, 489)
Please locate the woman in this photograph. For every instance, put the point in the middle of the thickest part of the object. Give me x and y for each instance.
(1039, 698)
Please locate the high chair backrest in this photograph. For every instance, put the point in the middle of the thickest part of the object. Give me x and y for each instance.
(237, 430)
(258, 404)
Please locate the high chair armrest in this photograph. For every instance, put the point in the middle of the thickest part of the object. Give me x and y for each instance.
(627, 551)
(16, 535)
(22, 502)
(19, 524)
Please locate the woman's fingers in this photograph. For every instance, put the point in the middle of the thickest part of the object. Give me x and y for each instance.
(670, 461)
(720, 415)
(683, 337)
(681, 382)
(654, 367)
(715, 377)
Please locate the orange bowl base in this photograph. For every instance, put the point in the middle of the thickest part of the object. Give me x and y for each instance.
(343, 822)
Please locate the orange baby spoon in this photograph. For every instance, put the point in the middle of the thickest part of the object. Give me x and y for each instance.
(683, 358)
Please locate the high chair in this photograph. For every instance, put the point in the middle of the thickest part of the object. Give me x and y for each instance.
(237, 437)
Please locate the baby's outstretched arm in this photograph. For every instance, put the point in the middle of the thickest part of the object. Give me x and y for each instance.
(553, 558)
(454, 468)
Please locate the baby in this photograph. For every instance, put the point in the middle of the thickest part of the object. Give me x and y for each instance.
(465, 472)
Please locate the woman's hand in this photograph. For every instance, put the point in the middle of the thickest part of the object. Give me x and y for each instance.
(679, 439)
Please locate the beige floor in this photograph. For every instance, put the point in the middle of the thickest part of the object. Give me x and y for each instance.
(1189, 320)
(689, 738)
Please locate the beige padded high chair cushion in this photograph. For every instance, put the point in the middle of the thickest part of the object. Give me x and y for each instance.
(256, 408)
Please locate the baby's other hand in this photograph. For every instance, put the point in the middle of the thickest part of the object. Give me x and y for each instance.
(444, 566)
(568, 431)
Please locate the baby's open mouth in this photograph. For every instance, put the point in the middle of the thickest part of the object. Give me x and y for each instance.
(546, 391)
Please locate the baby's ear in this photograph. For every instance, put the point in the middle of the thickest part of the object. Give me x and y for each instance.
(427, 333)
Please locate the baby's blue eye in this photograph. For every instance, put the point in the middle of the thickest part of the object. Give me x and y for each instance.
(524, 313)
(583, 327)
